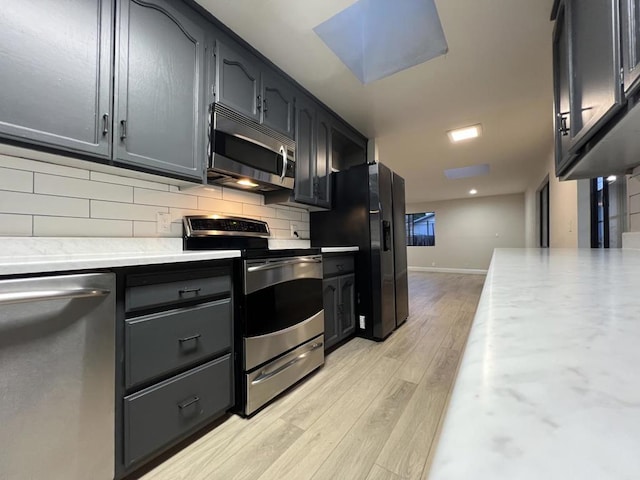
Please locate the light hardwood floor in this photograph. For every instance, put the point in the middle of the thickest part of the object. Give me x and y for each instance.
(371, 413)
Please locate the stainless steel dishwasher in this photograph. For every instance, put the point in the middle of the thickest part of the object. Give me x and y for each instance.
(57, 348)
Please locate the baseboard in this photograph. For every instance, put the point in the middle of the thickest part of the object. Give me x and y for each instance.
(467, 271)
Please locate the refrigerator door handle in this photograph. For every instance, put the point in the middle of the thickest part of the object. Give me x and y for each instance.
(386, 235)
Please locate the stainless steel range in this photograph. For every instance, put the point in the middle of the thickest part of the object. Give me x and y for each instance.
(279, 313)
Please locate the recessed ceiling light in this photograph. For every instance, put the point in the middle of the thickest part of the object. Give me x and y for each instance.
(611, 178)
(473, 191)
(246, 183)
(466, 133)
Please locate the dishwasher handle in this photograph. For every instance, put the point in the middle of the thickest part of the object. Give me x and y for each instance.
(44, 295)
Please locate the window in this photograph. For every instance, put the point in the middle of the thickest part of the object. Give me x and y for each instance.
(421, 229)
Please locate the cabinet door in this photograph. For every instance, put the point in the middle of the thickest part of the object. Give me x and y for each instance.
(277, 104)
(631, 44)
(596, 90)
(322, 190)
(305, 152)
(55, 73)
(346, 307)
(562, 101)
(160, 88)
(330, 294)
(238, 82)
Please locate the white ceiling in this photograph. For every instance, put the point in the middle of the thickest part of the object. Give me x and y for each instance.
(498, 72)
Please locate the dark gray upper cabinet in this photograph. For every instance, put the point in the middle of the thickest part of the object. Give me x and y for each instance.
(238, 81)
(562, 104)
(55, 73)
(630, 13)
(277, 103)
(305, 152)
(323, 160)
(159, 118)
(594, 65)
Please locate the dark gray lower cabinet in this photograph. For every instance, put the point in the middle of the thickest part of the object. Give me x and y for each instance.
(55, 73)
(175, 357)
(339, 299)
(330, 295)
(160, 107)
(159, 414)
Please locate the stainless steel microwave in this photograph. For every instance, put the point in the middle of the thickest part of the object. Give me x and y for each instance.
(247, 155)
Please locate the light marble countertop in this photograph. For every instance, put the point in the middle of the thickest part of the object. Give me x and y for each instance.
(549, 384)
(23, 255)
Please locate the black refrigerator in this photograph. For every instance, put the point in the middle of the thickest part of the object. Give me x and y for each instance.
(368, 211)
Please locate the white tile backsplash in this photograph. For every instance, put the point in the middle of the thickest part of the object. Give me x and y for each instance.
(143, 196)
(125, 211)
(80, 227)
(149, 229)
(16, 225)
(78, 188)
(258, 211)
(242, 197)
(133, 182)
(33, 204)
(76, 202)
(19, 163)
(223, 206)
(16, 180)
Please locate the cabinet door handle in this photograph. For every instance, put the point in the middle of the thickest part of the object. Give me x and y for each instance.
(563, 129)
(259, 103)
(187, 339)
(105, 124)
(186, 290)
(189, 402)
(123, 129)
(264, 106)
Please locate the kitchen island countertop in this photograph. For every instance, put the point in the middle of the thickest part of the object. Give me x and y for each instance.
(549, 384)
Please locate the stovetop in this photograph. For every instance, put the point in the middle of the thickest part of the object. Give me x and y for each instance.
(251, 237)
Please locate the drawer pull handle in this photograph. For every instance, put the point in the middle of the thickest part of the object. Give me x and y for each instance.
(264, 375)
(192, 337)
(189, 290)
(188, 403)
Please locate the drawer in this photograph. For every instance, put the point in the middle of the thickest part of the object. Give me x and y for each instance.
(145, 291)
(166, 341)
(337, 265)
(158, 415)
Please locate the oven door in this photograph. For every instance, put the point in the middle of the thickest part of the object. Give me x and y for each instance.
(283, 306)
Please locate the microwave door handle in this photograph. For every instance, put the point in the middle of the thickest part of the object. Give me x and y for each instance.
(285, 161)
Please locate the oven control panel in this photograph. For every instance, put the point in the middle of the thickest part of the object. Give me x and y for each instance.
(211, 225)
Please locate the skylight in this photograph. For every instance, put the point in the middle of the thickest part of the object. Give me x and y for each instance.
(467, 172)
(377, 38)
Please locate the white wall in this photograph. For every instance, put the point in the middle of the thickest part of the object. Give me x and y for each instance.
(633, 191)
(47, 199)
(563, 209)
(468, 230)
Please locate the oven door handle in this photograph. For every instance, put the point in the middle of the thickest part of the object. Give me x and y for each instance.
(278, 264)
(267, 375)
